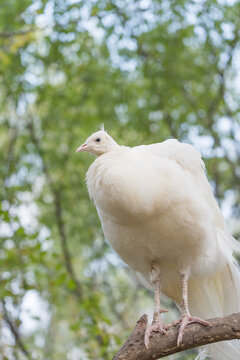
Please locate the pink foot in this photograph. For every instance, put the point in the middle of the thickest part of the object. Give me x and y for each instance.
(154, 327)
(184, 320)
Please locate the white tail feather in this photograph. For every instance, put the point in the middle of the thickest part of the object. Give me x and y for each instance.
(214, 297)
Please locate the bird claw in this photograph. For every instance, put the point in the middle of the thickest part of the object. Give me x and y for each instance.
(154, 327)
(185, 320)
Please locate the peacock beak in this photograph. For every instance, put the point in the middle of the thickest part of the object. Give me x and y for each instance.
(83, 147)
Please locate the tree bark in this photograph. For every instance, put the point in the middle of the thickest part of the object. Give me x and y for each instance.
(226, 328)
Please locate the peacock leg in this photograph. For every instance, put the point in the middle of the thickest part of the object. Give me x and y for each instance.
(186, 317)
(157, 323)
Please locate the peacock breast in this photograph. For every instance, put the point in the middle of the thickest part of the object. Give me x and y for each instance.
(126, 184)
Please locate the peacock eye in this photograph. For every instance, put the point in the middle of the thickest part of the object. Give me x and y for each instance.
(98, 139)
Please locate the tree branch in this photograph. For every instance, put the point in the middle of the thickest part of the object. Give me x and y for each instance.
(226, 328)
(58, 214)
(14, 331)
(66, 253)
(8, 34)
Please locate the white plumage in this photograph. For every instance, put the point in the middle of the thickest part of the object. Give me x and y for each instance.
(158, 213)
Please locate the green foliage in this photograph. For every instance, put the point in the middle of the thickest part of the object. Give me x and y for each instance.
(149, 71)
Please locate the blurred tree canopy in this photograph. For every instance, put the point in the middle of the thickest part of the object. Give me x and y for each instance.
(148, 70)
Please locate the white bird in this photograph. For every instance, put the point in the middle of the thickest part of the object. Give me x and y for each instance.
(158, 213)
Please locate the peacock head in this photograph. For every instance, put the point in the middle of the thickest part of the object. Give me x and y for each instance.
(98, 143)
